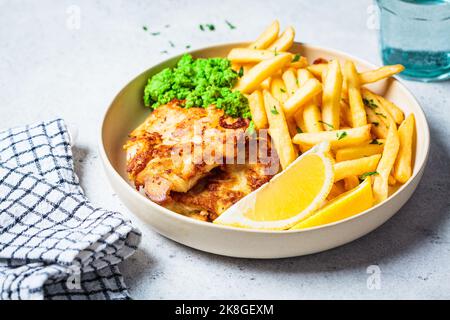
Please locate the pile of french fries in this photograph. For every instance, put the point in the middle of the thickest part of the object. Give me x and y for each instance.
(303, 104)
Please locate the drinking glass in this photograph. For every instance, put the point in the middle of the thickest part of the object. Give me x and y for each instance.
(416, 33)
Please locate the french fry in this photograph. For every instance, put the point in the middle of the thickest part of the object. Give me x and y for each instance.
(278, 90)
(303, 75)
(305, 93)
(312, 118)
(346, 114)
(354, 95)
(246, 55)
(301, 127)
(403, 164)
(356, 167)
(380, 182)
(301, 63)
(380, 73)
(359, 151)
(331, 95)
(351, 182)
(256, 104)
(290, 81)
(246, 67)
(266, 83)
(337, 138)
(236, 66)
(336, 189)
(284, 42)
(293, 130)
(317, 69)
(278, 130)
(267, 37)
(372, 101)
(395, 112)
(379, 127)
(391, 180)
(261, 71)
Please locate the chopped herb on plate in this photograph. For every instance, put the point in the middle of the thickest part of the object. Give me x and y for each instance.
(296, 58)
(241, 72)
(380, 114)
(231, 26)
(367, 174)
(327, 124)
(274, 110)
(341, 135)
(375, 141)
(369, 103)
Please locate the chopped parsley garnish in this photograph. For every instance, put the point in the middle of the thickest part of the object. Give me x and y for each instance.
(275, 53)
(375, 141)
(380, 114)
(369, 103)
(241, 72)
(296, 58)
(165, 51)
(341, 135)
(367, 174)
(145, 28)
(282, 90)
(208, 26)
(327, 124)
(274, 110)
(188, 46)
(230, 25)
(299, 130)
(172, 44)
(375, 123)
(155, 33)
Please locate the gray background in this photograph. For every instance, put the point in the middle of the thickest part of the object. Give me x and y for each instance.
(48, 69)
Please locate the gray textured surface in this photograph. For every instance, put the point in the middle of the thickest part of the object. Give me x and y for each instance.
(48, 69)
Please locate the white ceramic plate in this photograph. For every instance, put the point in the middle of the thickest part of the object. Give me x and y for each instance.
(127, 112)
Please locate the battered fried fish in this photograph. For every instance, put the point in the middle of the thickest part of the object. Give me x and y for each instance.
(186, 160)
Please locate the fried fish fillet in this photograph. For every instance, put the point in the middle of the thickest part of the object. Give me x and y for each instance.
(167, 152)
(186, 160)
(212, 195)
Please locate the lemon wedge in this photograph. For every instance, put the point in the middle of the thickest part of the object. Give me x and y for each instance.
(289, 197)
(345, 205)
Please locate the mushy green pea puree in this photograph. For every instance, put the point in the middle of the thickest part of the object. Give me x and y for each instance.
(200, 83)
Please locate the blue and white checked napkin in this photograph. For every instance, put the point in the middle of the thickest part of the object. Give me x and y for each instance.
(55, 244)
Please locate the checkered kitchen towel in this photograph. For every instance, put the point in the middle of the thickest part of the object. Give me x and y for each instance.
(55, 244)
